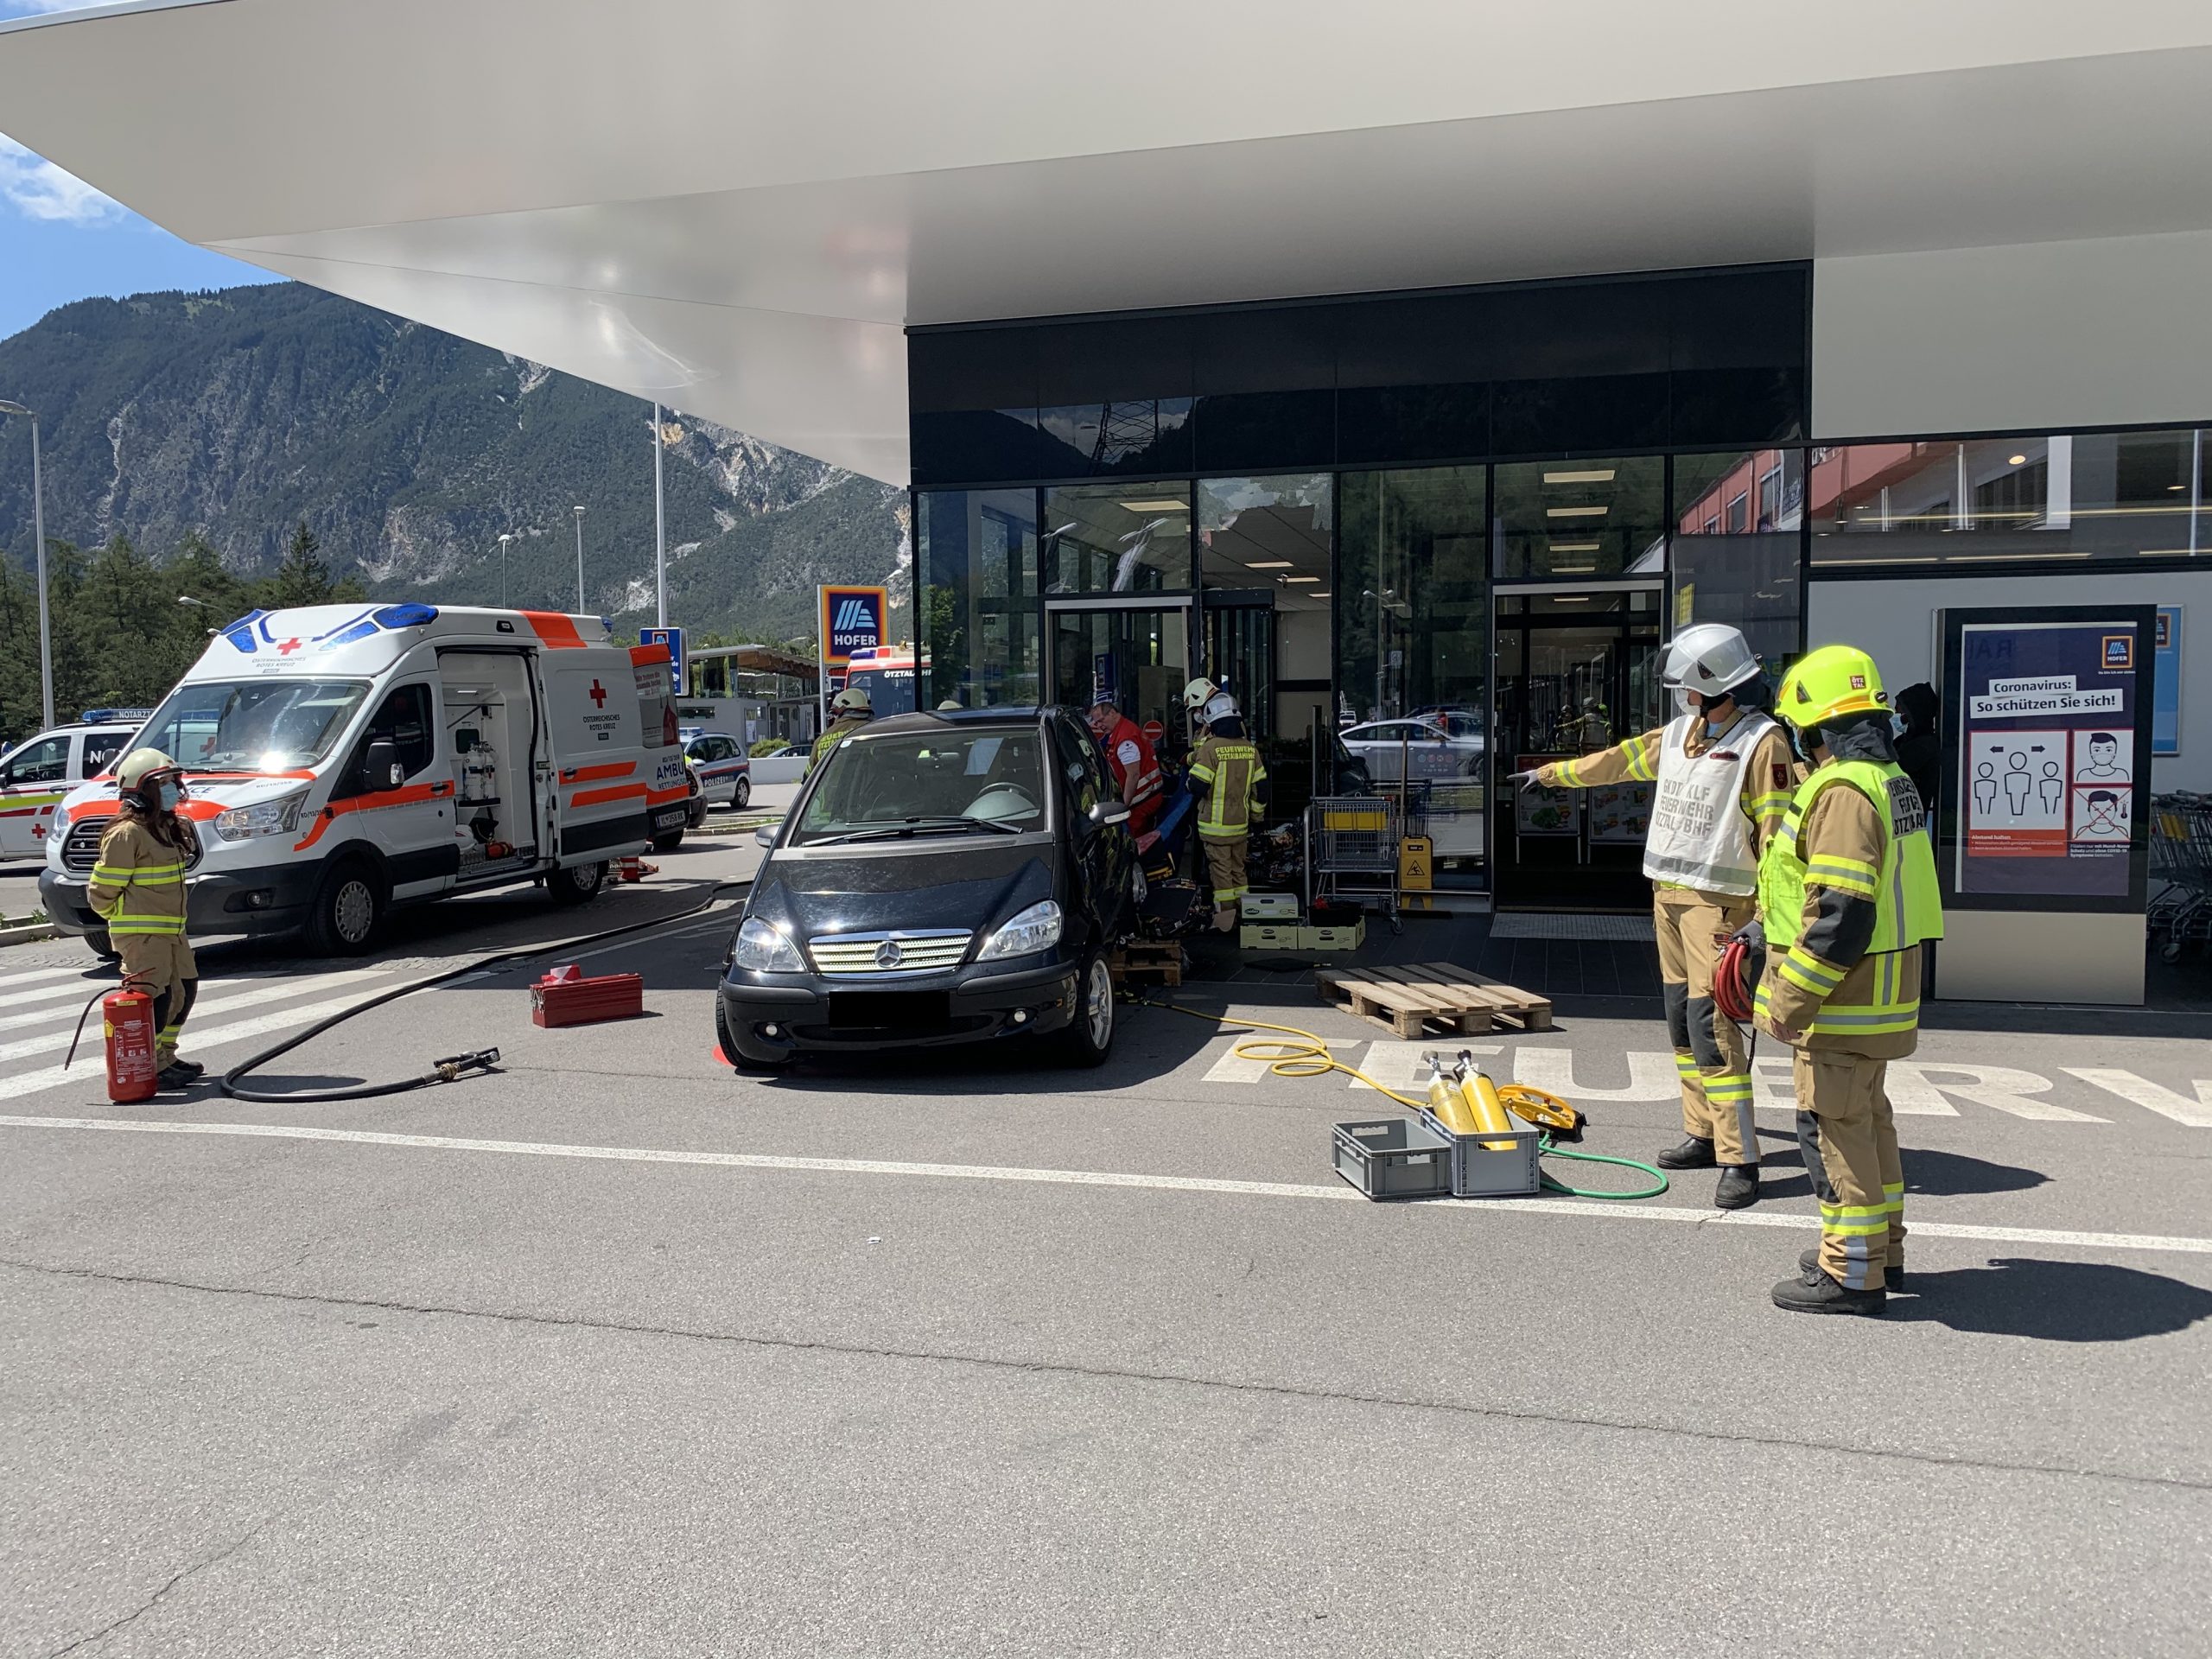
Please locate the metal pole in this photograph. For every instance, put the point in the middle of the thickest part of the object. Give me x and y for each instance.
(504, 540)
(580, 560)
(38, 532)
(660, 533)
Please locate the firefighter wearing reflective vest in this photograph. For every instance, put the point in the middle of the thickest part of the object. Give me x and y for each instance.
(1230, 786)
(137, 890)
(852, 708)
(1129, 753)
(1848, 896)
(1721, 776)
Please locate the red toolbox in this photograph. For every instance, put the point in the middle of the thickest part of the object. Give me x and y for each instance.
(565, 997)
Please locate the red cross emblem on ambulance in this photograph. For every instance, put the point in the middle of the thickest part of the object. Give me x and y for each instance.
(598, 694)
(288, 647)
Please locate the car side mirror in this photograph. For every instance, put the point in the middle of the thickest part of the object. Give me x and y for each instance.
(765, 835)
(382, 769)
(1109, 813)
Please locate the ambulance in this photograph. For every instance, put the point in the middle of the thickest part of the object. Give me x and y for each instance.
(343, 759)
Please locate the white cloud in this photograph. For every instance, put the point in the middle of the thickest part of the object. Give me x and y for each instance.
(38, 190)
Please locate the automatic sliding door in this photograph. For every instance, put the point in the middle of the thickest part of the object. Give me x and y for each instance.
(1138, 656)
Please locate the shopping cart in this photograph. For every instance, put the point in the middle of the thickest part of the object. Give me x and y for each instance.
(2180, 911)
(1352, 851)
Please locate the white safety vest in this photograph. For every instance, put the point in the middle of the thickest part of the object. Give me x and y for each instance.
(1700, 838)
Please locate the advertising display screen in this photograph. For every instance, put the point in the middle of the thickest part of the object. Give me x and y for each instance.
(2049, 717)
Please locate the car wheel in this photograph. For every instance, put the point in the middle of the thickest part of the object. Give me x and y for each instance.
(728, 1043)
(578, 885)
(668, 841)
(347, 908)
(1092, 1030)
(741, 796)
(103, 947)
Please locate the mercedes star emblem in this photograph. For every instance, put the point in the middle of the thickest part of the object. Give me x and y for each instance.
(888, 955)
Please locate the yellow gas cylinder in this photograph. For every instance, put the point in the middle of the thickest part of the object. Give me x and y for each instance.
(1483, 1108)
(1447, 1101)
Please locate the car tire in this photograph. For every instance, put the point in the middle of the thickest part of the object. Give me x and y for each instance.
(728, 1043)
(103, 946)
(1090, 1034)
(668, 841)
(346, 911)
(578, 885)
(741, 796)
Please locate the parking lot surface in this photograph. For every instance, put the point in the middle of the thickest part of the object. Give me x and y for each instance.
(611, 1351)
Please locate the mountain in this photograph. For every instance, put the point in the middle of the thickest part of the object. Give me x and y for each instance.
(235, 415)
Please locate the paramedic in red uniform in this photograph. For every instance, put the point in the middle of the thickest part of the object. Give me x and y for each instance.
(1136, 768)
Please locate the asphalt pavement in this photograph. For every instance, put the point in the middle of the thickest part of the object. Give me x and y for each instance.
(610, 1351)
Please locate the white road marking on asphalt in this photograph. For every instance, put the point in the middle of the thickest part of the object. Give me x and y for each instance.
(1397, 1064)
(47, 972)
(239, 992)
(53, 1076)
(1650, 1077)
(2001, 1088)
(2153, 1096)
(1797, 1223)
(76, 987)
(1233, 1067)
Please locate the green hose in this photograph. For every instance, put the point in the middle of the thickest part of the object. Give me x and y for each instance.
(1546, 1148)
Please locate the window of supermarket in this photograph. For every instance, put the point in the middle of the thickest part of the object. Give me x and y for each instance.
(1566, 520)
(1739, 527)
(977, 553)
(1118, 538)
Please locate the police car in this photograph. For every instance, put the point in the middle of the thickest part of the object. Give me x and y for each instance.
(724, 771)
(35, 776)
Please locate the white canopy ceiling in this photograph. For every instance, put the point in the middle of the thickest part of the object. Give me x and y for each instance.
(737, 205)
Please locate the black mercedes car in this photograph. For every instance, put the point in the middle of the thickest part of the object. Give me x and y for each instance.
(955, 877)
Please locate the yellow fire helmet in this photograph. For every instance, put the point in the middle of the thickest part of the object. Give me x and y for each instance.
(1832, 681)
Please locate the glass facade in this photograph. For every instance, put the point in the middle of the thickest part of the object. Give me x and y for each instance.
(1453, 529)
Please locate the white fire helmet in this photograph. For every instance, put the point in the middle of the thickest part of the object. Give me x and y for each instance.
(1710, 658)
(1198, 693)
(853, 700)
(1220, 706)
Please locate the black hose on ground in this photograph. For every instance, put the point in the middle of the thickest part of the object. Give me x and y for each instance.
(447, 1069)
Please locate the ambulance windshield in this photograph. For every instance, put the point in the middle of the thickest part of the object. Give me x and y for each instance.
(253, 725)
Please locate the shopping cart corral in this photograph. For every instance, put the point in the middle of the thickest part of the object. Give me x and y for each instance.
(2180, 911)
(1351, 851)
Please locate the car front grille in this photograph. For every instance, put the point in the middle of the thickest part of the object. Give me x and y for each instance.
(884, 955)
(81, 850)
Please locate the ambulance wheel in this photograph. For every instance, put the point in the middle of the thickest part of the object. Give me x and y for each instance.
(103, 948)
(741, 796)
(348, 906)
(1090, 1034)
(668, 842)
(578, 885)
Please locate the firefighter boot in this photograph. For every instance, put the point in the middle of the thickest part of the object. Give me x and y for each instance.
(1809, 1260)
(1816, 1292)
(179, 1074)
(1693, 1154)
(1739, 1188)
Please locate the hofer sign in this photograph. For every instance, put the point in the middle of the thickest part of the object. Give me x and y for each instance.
(852, 620)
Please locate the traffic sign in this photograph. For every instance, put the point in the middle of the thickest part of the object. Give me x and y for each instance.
(853, 620)
(1154, 731)
(673, 639)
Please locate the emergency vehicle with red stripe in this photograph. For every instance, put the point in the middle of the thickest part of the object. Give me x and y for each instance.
(341, 760)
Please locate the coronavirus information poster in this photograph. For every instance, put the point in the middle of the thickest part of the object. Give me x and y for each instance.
(2049, 756)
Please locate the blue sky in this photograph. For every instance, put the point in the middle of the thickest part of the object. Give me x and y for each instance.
(60, 240)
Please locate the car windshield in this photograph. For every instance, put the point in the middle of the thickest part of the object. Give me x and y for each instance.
(953, 782)
(253, 725)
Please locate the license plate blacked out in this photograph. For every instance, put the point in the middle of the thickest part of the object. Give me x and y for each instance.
(894, 1008)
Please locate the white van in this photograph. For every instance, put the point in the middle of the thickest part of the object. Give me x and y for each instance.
(343, 759)
(37, 775)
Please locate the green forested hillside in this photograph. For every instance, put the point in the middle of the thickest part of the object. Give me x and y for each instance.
(207, 427)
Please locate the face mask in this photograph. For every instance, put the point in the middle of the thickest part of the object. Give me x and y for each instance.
(169, 795)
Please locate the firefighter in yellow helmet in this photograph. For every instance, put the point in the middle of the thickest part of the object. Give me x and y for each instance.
(1720, 774)
(853, 708)
(137, 889)
(1848, 896)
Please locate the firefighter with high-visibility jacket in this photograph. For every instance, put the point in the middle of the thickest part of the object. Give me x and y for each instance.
(1229, 783)
(1848, 896)
(1721, 775)
(137, 890)
(853, 708)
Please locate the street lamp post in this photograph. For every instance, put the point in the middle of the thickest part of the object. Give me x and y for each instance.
(660, 532)
(580, 561)
(505, 537)
(38, 534)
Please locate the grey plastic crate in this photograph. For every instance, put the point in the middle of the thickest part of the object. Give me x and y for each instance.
(1395, 1158)
(1479, 1172)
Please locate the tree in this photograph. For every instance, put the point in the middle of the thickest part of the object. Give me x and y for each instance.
(303, 576)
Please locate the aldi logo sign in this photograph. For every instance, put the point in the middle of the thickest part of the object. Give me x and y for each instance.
(852, 621)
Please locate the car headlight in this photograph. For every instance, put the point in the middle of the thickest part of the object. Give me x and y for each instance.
(1037, 928)
(274, 817)
(766, 949)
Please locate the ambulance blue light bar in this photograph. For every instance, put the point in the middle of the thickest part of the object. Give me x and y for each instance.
(406, 616)
(109, 717)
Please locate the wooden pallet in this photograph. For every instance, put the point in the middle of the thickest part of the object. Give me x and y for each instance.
(1408, 1001)
(1158, 962)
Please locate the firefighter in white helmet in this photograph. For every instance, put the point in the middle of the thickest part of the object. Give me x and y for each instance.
(1722, 776)
(852, 708)
(1229, 781)
(137, 890)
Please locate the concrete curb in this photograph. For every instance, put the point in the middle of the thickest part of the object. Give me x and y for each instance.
(26, 932)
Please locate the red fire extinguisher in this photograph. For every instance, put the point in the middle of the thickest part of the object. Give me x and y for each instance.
(127, 1019)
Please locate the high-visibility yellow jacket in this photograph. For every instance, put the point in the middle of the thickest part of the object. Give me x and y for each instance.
(1233, 773)
(840, 728)
(138, 886)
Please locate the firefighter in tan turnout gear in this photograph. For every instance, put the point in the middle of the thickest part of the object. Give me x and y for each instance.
(137, 889)
(1229, 781)
(1722, 775)
(1848, 896)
